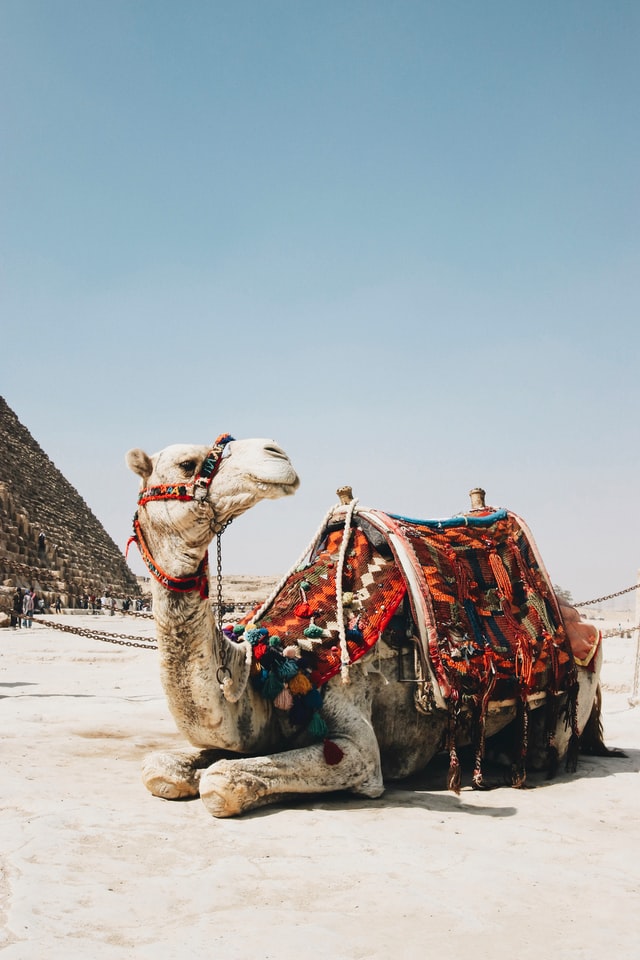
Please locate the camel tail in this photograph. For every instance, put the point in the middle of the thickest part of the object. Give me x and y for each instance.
(592, 737)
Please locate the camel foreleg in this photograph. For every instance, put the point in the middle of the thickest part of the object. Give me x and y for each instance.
(352, 762)
(175, 774)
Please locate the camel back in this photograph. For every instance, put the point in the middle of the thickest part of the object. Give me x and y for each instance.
(471, 590)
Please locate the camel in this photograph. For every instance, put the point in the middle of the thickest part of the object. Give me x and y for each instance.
(244, 752)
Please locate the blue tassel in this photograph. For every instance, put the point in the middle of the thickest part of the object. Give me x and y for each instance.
(286, 668)
(313, 699)
(299, 714)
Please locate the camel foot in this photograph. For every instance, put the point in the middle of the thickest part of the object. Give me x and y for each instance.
(226, 790)
(170, 776)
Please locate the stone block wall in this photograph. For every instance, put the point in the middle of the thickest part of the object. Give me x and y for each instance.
(79, 556)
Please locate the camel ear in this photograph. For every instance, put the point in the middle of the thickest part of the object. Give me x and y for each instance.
(138, 461)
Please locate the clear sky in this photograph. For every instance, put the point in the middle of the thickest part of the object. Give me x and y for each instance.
(400, 238)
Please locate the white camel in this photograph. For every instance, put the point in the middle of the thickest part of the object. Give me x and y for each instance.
(244, 751)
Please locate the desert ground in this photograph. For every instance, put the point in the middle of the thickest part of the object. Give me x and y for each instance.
(93, 866)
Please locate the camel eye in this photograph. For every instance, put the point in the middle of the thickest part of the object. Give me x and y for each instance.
(187, 466)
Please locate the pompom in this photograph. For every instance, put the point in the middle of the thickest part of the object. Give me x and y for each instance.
(313, 631)
(286, 669)
(300, 684)
(332, 753)
(302, 610)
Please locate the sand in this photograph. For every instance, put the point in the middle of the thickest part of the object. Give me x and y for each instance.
(93, 866)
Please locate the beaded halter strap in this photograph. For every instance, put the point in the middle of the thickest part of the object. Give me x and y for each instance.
(196, 490)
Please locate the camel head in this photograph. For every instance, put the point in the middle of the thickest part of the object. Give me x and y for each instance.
(189, 492)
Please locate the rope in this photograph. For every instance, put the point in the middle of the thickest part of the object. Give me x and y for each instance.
(344, 650)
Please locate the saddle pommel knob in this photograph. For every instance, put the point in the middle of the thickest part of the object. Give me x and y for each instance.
(345, 494)
(477, 498)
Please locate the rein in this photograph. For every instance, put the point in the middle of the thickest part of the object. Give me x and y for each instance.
(198, 488)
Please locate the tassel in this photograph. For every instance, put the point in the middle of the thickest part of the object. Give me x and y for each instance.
(572, 753)
(284, 700)
(317, 727)
(300, 684)
(454, 778)
(313, 699)
(271, 686)
(332, 753)
(519, 769)
(298, 715)
(287, 669)
(501, 574)
(259, 650)
(477, 773)
(540, 608)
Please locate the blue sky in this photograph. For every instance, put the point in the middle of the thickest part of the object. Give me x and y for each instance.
(400, 238)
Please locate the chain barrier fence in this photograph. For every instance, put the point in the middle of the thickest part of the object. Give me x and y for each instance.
(233, 607)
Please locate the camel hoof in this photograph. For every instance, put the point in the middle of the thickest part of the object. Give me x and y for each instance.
(226, 790)
(169, 777)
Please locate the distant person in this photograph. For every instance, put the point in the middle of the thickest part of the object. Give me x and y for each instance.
(58, 604)
(42, 540)
(27, 608)
(16, 612)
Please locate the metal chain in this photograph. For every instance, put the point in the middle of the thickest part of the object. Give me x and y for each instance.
(609, 596)
(223, 671)
(121, 639)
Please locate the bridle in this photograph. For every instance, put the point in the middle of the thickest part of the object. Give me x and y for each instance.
(196, 490)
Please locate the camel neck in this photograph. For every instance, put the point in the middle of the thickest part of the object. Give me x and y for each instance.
(194, 659)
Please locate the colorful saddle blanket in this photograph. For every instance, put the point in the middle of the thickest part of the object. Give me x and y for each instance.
(472, 590)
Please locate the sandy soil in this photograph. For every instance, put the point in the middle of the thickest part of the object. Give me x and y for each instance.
(93, 866)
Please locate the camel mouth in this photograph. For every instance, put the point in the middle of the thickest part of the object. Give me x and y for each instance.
(276, 488)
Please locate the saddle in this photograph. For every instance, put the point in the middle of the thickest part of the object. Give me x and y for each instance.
(470, 592)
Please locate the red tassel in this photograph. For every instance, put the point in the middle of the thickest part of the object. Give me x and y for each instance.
(332, 753)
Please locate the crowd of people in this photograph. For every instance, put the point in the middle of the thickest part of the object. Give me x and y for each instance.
(27, 603)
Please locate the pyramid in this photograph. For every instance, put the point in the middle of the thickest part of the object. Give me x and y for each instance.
(79, 557)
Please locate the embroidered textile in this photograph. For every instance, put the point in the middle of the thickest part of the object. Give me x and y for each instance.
(494, 628)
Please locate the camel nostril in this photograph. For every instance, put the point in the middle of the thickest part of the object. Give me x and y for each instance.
(275, 451)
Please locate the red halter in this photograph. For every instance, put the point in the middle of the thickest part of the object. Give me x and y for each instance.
(196, 490)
